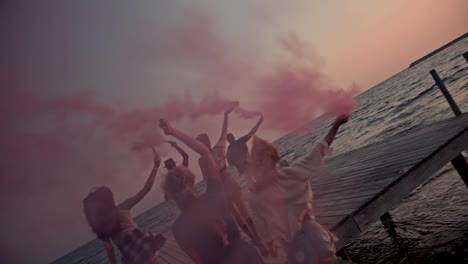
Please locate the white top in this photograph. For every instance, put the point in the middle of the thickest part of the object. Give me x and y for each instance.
(278, 207)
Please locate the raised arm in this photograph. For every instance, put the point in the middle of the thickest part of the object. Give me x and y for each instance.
(184, 154)
(312, 164)
(110, 251)
(222, 139)
(330, 137)
(132, 201)
(210, 167)
(252, 132)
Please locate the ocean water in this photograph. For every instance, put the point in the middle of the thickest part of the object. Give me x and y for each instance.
(432, 223)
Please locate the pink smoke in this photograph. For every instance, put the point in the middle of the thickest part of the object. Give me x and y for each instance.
(55, 147)
(297, 91)
(246, 114)
(77, 128)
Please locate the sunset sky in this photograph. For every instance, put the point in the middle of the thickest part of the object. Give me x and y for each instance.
(136, 54)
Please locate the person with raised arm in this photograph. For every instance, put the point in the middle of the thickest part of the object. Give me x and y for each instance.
(238, 156)
(114, 223)
(238, 152)
(281, 199)
(231, 186)
(205, 229)
(169, 164)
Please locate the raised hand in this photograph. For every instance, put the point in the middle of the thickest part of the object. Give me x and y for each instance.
(262, 118)
(157, 158)
(330, 137)
(233, 106)
(342, 119)
(172, 143)
(166, 127)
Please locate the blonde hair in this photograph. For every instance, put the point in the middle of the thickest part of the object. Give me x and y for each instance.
(263, 147)
(177, 180)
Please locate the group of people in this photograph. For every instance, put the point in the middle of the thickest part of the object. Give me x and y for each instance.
(208, 227)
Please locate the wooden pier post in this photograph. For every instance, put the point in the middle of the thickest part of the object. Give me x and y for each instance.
(446, 93)
(459, 162)
(389, 225)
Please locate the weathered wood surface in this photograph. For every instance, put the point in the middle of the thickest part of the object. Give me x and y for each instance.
(367, 182)
(357, 187)
(354, 189)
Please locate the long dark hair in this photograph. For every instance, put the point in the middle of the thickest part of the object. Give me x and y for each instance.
(101, 212)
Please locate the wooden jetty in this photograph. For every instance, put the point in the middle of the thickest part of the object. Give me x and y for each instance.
(354, 190)
(359, 186)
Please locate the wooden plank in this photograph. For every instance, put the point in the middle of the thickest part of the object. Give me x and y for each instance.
(330, 212)
(162, 259)
(337, 207)
(418, 131)
(324, 197)
(330, 220)
(345, 197)
(373, 178)
(169, 258)
(177, 257)
(386, 156)
(371, 154)
(365, 155)
(173, 250)
(402, 161)
(452, 125)
(320, 190)
(403, 186)
(400, 151)
(376, 174)
(175, 260)
(176, 253)
(360, 199)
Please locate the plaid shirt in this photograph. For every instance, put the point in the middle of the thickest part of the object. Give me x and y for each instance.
(140, 247)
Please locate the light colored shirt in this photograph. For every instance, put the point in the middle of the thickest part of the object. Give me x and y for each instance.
(278, 207)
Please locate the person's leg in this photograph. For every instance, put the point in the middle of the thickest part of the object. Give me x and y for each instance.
(245, 228)
(240, 221)
(239, 201)
(240, 204)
